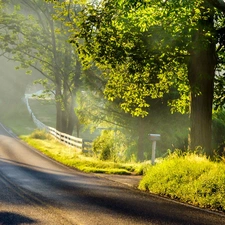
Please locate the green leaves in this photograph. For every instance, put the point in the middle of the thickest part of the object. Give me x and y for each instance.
(138, 46)
(143, 48)
(31, 37)
(219, 97)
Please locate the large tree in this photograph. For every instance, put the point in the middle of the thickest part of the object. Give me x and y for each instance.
(31, 37)
(149, 47)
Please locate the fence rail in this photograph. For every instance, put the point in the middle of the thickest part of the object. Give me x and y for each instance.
(76, 142)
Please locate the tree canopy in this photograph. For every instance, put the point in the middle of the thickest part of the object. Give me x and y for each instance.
(30, 36)
(147, 49)
(150, 53)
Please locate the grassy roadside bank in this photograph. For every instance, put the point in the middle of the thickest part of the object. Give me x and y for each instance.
(189, 178)
(19, 121)
(71, 157)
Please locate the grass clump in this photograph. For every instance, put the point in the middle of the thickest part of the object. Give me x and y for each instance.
(40, 134)
(190, 178)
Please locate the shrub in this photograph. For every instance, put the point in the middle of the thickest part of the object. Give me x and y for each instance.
(103, 145)
(218, 126)
(190, 178)
(40, 134)
(111, 145)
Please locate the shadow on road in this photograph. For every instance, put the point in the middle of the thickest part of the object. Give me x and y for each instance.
(8, 218)
(29, 176)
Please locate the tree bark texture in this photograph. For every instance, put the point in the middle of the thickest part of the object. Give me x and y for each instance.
(142, 134)
(58, 108)
(65, 115)
(140, 144)
(201, 72)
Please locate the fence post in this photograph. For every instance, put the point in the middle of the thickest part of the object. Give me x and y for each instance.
(83, 145)
(57, 134)
(153, 152)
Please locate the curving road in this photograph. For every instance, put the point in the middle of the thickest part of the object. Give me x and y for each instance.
(37, 190)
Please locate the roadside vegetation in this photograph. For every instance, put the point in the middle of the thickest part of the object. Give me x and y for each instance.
(124, 73)
(19, 121)
(188, 177)
(69, 156)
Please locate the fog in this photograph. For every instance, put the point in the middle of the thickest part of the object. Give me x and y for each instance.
(13, 84)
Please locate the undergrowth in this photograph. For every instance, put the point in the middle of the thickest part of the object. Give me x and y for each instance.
(71, 157)
(190, 178)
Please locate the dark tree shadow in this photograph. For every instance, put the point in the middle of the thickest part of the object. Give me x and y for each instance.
(8, 218)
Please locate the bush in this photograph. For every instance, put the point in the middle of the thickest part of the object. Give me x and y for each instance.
(103, 145)
(40, 134)
(190, 178)
(219, 131)
(111, 145)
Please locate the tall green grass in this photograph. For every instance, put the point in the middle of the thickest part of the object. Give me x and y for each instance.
(190, 178)
(71, 157)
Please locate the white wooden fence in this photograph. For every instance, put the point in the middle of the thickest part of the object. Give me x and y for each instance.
(78, 143)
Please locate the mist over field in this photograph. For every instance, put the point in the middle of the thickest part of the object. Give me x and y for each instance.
(13, 84)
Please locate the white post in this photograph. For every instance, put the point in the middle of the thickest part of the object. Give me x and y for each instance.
(154, 138)
(153, 152)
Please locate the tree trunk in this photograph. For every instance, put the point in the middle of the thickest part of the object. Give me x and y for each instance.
(201, 113)
(201, 72)
(140, 145)
(58, 108)
(142, 137)
(70, 114)
(65, 119)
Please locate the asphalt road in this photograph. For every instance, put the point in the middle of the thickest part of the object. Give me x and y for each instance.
(37, 190)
